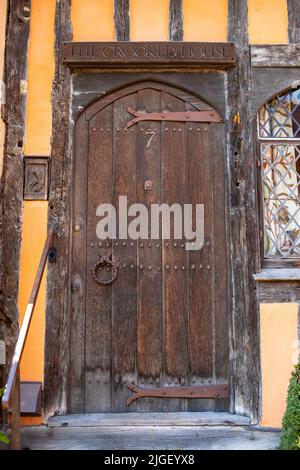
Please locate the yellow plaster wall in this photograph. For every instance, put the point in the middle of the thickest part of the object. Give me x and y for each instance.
(37, 143)
(205, 20)
(33, 238)
(279, 351)
(3, 11)
(149, 21)
(34, 230)
(40, 77)
(268, 21)
(93, 20)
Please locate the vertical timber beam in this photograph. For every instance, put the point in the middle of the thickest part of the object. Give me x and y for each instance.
(15, 78)
(122, 22)
(175, 21)
(56, 337)
(294, 20)
(245, 357)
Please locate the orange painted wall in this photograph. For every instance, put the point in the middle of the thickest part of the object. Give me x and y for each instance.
(93, 20)
(37, 143)
(279, 352)
(33, 238)
(40, 77)
(149, 21)
(268, 21)
(205, 20)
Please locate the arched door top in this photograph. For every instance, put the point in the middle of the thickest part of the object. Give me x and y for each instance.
(195, 101)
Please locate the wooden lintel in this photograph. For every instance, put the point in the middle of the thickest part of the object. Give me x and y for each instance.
(90, 54)
(287, 55)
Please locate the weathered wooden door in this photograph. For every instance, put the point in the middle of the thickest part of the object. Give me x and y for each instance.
(164, 321)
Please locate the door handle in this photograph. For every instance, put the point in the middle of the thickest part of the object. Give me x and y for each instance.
(105, 261)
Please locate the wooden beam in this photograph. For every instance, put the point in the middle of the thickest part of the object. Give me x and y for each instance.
(56, 335)
(294, 20)
(175, 21)
(279, 292)
(276, 56)
(12, 177)
(244, 243)
(15, 416)
(280, 274)
(122, 21)
(270, 81)
(152, 54)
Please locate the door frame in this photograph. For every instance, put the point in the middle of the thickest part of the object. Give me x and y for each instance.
(79, 302)
(244, 364)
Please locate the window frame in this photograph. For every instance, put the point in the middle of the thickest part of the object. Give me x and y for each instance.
(266, 262)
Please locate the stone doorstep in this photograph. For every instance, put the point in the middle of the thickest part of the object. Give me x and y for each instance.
(149, 419)
(111, 438)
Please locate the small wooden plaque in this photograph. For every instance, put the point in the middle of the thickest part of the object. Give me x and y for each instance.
(36, 178)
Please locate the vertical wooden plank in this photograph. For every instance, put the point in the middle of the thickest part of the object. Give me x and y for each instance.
(58, 275)
(175, 21)
(244, 232)
(149, 288)
(98, 297)
(220, 261)
(15, 416)
(17, 34)
(124, 300)
(78, 294)
(122, 21)
(200, 285)
(175, 300)
(293, 7)
(201, 294)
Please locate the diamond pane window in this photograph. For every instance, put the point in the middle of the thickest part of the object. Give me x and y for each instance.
(279, 136)
(280, 117)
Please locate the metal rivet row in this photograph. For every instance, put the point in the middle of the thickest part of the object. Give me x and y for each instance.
(77, 228)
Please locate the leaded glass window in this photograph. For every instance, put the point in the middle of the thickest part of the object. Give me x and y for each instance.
(279, 137)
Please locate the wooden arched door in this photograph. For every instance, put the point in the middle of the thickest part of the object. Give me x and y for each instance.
(163, 323)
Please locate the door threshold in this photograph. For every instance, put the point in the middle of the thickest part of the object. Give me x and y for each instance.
(149, 419)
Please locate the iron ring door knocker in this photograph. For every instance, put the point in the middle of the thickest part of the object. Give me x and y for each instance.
(105, 261)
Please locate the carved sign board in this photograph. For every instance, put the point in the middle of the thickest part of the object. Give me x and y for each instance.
(36, 178)
(148, 53)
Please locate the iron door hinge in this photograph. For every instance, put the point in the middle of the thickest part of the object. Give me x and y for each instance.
(208, 115)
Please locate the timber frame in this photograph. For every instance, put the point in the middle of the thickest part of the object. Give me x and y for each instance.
(244, 324)
(241, 205)
(294, 20)
(11, 186)
(253, 81)
(243, 224)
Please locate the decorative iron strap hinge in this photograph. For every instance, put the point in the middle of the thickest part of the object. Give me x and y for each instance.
(208, 115)
(201, 391)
